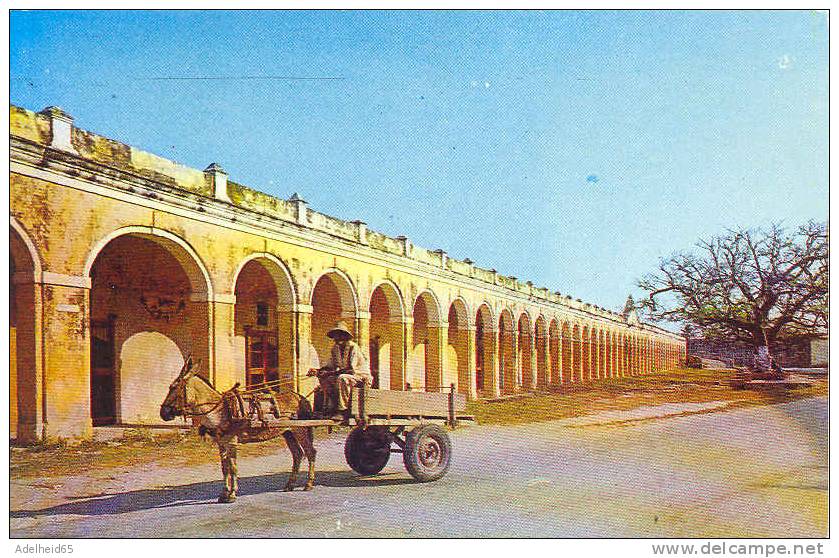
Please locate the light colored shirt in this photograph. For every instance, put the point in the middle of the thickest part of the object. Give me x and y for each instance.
(352, 360)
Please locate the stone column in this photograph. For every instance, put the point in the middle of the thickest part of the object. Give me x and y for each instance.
(514, 365)
(471, 382)
(303, 349)
(408, 337)
(441, 332)
(226, 370)
(495, 368)
(362, 329)
(549, 372)
(534, 364)
(66, 356)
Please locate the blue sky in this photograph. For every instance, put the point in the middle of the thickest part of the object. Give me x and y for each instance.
(573, 149)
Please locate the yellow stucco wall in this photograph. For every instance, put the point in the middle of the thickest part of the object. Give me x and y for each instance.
(71, 207)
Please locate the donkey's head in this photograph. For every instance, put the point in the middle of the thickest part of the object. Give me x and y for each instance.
(176, 403)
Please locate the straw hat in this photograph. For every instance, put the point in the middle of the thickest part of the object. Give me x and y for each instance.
(340, 327)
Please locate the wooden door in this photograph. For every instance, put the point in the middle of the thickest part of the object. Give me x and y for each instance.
(102, 373)
(261, 357)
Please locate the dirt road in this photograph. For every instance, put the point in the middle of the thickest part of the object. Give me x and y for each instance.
(759, 471)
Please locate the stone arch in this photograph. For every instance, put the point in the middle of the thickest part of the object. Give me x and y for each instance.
(150, 306)
(457, 349)
(426, 356)
(25, 240)
(432, 303)
(280, 275)
(186, 255)
(263, 343)
(333, 299)
(25, 378)
(506, 352)
(554, 348)
(387, 336)
(485, 350)
(525, 351)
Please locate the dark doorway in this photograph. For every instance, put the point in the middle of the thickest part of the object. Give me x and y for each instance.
(102, 374)
(374, 361)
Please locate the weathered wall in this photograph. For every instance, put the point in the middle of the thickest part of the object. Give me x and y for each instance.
(175, 230)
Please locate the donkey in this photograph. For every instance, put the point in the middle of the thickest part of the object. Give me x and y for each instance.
(191, 396)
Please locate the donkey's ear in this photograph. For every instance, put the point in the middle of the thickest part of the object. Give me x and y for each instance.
(193, 367)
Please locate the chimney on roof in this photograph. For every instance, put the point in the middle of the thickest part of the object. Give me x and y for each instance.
(300, 208)
(61, 128)
(218, 176)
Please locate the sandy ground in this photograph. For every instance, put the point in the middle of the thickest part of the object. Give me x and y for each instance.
(757, 472)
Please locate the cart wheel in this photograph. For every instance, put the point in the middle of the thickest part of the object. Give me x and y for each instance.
(367, 450)
(428, 452)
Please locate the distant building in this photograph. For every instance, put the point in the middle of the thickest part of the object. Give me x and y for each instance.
(804, 352)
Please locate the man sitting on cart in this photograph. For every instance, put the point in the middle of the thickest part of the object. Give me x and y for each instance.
(347, 367)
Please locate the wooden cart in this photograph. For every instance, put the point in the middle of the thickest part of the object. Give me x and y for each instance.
(383, 422)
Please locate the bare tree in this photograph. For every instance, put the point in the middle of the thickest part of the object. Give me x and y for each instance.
(758, 286)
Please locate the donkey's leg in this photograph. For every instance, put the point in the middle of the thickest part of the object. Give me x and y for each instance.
(305, 438)
(296, 457)
(227, 448)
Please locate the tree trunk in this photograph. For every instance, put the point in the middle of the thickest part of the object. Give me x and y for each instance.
(762, 360)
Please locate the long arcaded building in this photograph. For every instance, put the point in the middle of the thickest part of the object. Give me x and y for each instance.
(123, 262)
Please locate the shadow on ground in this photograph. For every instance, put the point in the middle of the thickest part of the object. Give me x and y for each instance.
(200, 493)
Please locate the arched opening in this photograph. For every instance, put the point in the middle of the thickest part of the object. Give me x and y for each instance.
(554, 341)
(524, 376)
(24, 350)
(541, 353)
(426, 357)
(577, 354)
(567, 354)
(457, 351)
(263, 330)
(607, 345)
(506, 353)
(484, 351)
(387, 335)
(148, 310)
(333, 300)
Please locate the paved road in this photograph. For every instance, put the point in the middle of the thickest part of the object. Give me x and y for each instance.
(760, 471)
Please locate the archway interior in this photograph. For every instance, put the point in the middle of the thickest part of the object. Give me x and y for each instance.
(22, 349)
(506, 353)
(142, 323)
(263, 330)
(386, 338)
(457, 351)
(484, 350)
(332, 301)
(425, 359)
(554, 343)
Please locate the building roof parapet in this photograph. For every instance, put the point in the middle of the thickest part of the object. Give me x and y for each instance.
(213, 182)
